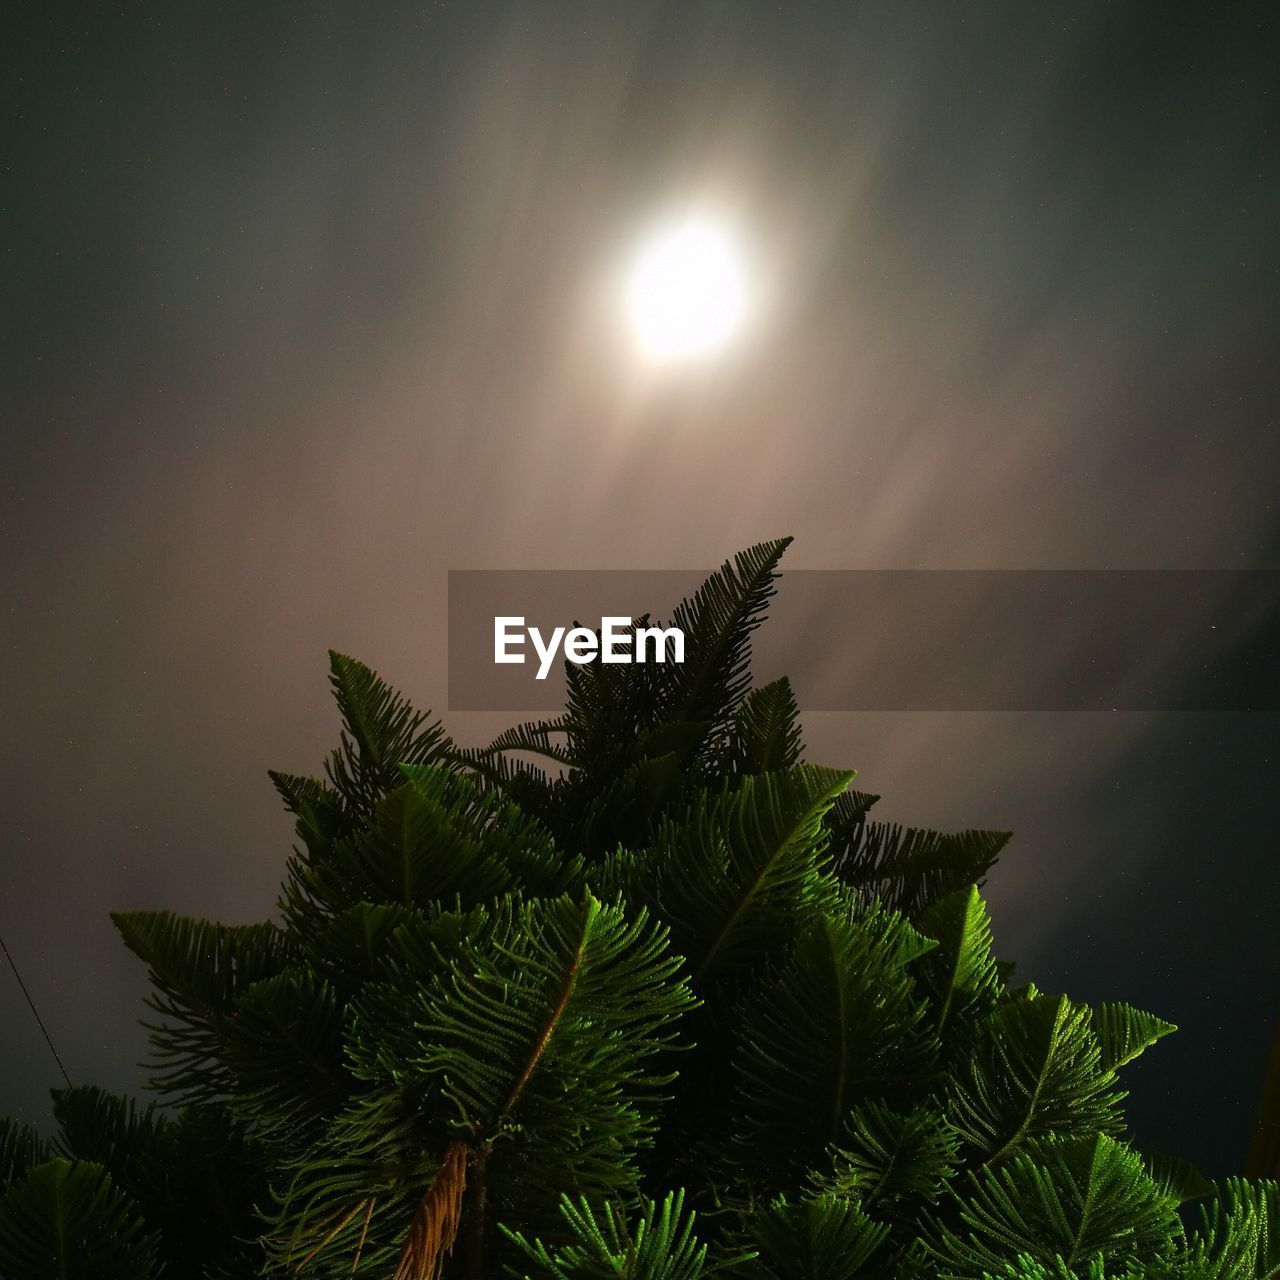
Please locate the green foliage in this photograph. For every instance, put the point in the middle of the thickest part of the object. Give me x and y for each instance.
(826, 1237)
(1034, 1069)
(1068, 1201)
(1240, 1236)
(664, 1005)
(962, 972)
(735, 873)
(839, 1026)
(909, 869)
(380, 732)
(661, 1246)
(893, 1162)
(21, 1147)
(766, 730)
(1125, 1032)
(1178, 1177)
(68, 1221)
(197, 1175)
(199, 970)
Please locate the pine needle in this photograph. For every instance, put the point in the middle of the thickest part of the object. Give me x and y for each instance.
(435, 1225)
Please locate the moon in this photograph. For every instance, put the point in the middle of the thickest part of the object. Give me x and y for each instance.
(686, 291)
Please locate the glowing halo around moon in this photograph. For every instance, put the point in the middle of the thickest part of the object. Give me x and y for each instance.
(686, 292)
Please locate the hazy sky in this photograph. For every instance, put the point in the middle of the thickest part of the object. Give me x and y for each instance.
(307, 304)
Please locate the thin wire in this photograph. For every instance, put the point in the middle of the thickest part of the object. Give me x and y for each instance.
(44, 1031)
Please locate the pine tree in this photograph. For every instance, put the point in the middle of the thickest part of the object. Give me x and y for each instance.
(629, 993)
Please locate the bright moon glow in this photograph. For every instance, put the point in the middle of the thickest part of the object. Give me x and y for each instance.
(686, 294)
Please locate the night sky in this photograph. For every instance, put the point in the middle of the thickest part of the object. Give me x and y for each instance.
(305, 305)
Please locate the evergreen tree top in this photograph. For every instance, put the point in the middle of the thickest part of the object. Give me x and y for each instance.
(634, 992)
